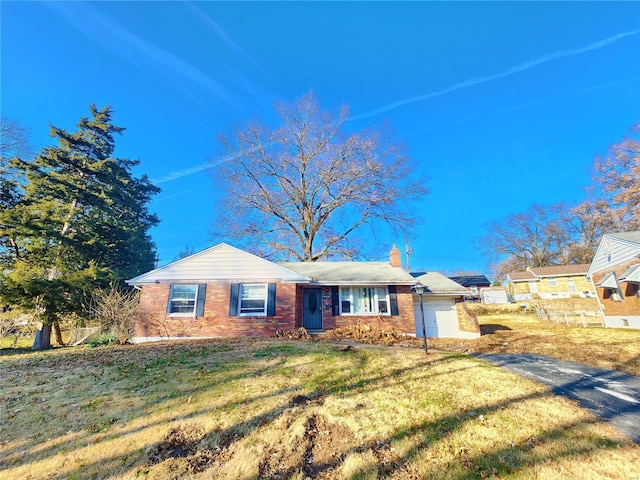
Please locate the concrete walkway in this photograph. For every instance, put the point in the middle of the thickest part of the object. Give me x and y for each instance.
(611, 395)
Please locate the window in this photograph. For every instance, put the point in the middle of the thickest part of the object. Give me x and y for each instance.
(571, 286)
(183, 299)
(364, 300)
(253, 299)
(553, 281)
(533, 287)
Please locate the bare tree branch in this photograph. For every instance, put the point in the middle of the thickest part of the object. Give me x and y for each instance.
(305, 189)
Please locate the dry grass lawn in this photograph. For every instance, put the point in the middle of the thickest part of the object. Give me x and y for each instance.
(613, 348)
(282, 409)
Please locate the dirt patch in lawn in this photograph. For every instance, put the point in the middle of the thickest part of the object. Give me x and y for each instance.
(316, 453)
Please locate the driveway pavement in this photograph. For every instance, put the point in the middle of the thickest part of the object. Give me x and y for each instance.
(611, 395)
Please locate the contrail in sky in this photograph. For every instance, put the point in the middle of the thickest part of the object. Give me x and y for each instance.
(458, 86)
(505, 73)
(188, 171)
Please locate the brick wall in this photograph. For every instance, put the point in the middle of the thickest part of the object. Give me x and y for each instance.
(543, 286)
(403, 322)
(153, 321)
(630, 304)
(580, 281)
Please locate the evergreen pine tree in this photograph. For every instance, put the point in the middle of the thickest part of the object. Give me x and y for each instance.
(78, 220)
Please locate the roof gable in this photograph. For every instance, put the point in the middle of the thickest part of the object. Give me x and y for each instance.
(631, 274)
(220, 262)
(615, 249)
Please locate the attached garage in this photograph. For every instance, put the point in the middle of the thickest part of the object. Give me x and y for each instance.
(439, 304)
(440, 317)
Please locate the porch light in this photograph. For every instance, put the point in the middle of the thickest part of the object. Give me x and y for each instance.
(419, 289)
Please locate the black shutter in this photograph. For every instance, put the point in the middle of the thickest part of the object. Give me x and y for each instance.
(271, 300)
(169, 302)
(233, 300)
(335, 301)
(202, 292)
(393, 299)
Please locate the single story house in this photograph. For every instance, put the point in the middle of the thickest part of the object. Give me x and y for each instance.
(615, 273)
(473, 283)
(224, 291)
(548, 283)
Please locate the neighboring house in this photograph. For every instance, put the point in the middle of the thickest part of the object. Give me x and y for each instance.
(473, 283)
(223, 291)
(561, 281)
(615, 272)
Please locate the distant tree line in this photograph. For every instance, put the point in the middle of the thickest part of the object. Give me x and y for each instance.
(73, 218)
(560, 234)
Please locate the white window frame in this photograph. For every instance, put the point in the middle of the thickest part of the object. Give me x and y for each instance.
(264, 297)
(347, 294)
(192, 313)
(571, 286)
(533, 287)
(552, 281)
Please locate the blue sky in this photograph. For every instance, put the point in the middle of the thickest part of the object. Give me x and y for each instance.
(501, 104)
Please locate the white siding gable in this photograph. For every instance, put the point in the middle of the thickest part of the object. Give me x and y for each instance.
(220, 262)
(613, 251)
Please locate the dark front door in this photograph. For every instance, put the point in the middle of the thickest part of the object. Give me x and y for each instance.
(312, 309)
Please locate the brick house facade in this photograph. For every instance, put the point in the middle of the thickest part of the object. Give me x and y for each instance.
(225, 292)
(153, 321)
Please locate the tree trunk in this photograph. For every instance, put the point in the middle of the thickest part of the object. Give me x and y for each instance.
(43, 337)
(58, 332)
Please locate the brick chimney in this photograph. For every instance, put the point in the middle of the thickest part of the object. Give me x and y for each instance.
(394, 257)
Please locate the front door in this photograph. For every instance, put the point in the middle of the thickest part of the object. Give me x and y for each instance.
(312, 309)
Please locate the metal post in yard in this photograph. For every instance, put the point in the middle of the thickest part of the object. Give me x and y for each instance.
(419, 289)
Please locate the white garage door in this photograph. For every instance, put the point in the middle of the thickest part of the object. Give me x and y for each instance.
(440, 317)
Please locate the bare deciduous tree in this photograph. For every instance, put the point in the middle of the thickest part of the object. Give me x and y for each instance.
(617, 176)
(305, 190)
(14, 140)
(528, 239)
(583, 228)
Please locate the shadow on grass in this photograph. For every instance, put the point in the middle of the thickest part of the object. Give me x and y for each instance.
(488, 329)
(149, 380)
(13, 351)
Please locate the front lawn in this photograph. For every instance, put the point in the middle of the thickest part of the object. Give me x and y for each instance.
(241, 409)
(613, 348)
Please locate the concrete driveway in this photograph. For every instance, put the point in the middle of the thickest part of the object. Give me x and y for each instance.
(611, 395)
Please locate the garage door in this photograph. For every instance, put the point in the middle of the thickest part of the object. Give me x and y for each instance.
(440, 317)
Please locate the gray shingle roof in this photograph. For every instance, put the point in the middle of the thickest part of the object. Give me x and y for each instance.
(437, 283)
(351, 273)
(633, 237)
(553, 271)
